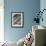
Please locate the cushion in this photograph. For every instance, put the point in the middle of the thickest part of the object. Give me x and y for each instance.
(20, 42)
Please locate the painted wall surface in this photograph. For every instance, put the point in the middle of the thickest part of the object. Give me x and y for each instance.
(43, 6)
(29, 7)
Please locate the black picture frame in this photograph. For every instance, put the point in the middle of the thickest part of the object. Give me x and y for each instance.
(17, 19)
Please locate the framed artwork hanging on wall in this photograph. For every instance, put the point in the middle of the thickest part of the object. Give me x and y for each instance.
(17, 19)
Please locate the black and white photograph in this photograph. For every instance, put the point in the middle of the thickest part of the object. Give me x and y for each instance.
(17, 19)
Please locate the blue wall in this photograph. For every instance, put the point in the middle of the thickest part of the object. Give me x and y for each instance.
(29, 7)
(43, 6)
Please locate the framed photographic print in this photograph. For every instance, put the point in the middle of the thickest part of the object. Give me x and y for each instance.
(17, 19)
